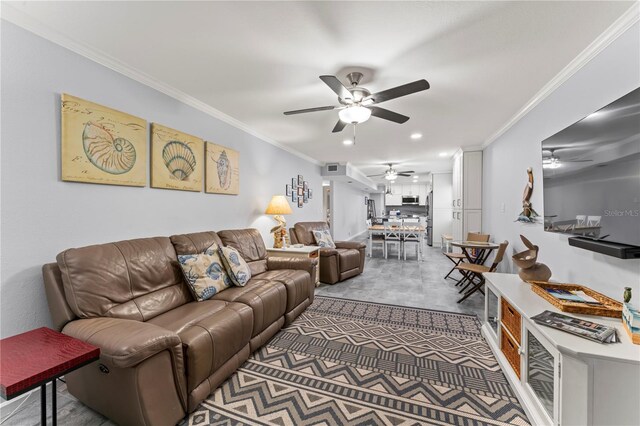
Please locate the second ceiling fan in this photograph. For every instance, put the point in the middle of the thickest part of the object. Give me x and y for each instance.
(357, 104)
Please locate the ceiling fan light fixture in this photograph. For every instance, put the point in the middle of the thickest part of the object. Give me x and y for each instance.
(391, 176)
(354, 114)
(416, 136)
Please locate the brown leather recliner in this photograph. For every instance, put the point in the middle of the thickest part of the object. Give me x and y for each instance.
(162, 353)
(336, 264)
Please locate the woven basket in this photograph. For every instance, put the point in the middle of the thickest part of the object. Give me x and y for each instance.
(609, 308)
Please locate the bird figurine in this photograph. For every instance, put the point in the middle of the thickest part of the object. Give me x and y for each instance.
(528, 214)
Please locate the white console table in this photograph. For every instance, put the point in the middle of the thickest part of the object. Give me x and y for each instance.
(559, 378)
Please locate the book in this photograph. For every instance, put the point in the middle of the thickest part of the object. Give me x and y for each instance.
(577, 296)
(582, 328)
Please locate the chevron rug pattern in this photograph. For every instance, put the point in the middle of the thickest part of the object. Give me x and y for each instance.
(346, 362)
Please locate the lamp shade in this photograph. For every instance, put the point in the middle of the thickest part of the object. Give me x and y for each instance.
(278, 205)
(354, 114)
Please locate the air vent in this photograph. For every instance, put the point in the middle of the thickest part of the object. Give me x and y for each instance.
(332, 167)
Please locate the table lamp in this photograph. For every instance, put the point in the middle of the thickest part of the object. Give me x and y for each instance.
(277, 207)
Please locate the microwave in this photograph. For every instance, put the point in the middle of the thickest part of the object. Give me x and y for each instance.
(409, 200)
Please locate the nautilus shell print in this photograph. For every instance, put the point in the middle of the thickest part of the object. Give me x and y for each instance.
(179, 159)
(224, 170)
(114, 156)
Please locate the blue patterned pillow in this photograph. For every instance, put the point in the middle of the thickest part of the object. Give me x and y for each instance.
(236, 266)
(323, 238)
(204, 273)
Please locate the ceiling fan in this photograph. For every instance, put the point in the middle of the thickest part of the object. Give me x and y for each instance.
(357, 103)
(553, 162)
(392, 174)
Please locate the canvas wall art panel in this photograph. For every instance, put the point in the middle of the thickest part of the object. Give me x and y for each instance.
(102, 145)
(177, 159)
(222, 170)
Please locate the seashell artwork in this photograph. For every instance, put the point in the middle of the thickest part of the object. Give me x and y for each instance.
(222, 170)
(177, 160)
(102, 145)
(115, 156)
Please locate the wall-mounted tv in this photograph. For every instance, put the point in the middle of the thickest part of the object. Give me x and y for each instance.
(591, 175)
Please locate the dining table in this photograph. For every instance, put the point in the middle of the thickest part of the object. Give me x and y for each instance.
(475, 251)
(412, 228)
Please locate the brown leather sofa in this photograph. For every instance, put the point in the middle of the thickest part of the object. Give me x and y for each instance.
(336, 264)
(162, 353)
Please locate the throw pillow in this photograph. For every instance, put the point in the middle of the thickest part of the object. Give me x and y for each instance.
(237, 268)
(323, 239)
(204, 273)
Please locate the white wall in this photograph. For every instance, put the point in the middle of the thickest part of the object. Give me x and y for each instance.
(611, 74)
(41, 215)
(348, 211)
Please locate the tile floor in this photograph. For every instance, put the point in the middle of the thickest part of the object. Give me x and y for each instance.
(392, 281)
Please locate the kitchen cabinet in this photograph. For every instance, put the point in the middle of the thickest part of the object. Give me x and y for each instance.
(393, 199)
(466, 190)
(440, 210)
(422, 195)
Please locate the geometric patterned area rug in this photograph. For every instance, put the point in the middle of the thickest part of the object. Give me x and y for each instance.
(345, 362)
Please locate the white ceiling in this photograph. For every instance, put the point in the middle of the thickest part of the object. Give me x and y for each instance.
(255, 60)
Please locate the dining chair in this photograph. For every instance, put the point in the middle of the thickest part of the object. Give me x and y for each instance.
(392, 236)
(458, 258)
(411, 235)
(581, 220)
(376, 238)
(475, 271)
(593, 221)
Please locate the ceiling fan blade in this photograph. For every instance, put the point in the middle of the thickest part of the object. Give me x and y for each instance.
(576, 161)
(335, 85)
(406, 172)
(340, 125)
(396, 92)
(379, 174)
(388, 115)
(301, 111)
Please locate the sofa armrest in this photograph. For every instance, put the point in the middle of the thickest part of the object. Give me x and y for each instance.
(308, 264)
(123, 342)
(328, 251)
(350, 245)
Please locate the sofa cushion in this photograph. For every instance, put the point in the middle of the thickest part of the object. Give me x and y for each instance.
(237, 269)
(267, 299)
(304, 231)
(194, 243)
(204, 273)
(349, 259)
(323, 238)
(186, 315)
(134, 279)
(211, 341)
(250, 245)
(297, 282)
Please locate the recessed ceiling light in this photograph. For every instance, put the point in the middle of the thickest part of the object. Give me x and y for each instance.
(347, 142)
(443, 154)
(416, 136)
(415, 176)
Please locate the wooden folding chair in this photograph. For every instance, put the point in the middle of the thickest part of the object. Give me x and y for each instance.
(458, 258)
(475, 271)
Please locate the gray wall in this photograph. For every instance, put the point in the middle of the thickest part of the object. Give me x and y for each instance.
(613, 73)
(348, 211)
(41, 215)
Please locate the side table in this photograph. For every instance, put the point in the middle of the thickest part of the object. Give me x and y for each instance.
(306, 252)
(32, 359)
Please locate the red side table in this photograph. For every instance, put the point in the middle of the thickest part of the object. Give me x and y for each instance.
(32, 359)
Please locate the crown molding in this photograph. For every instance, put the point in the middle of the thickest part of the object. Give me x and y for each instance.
(27, 22)
(615, 30)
